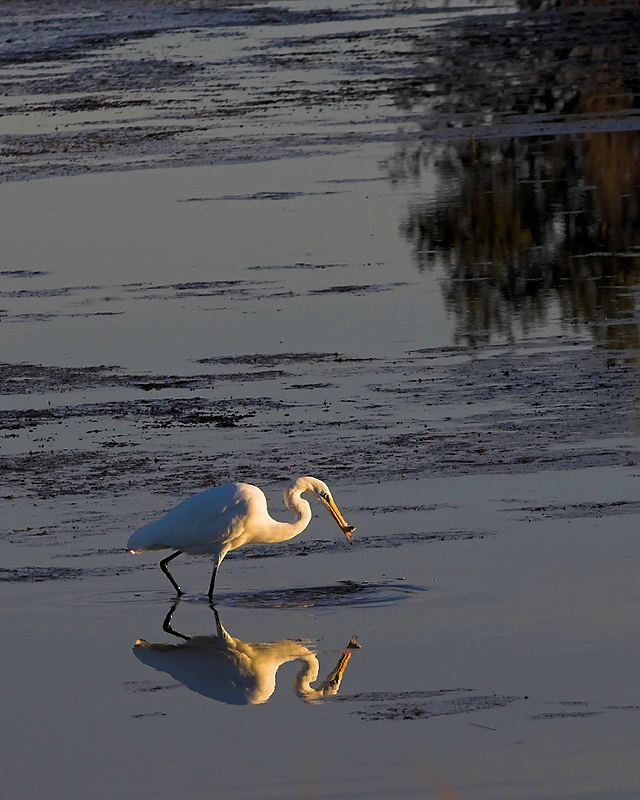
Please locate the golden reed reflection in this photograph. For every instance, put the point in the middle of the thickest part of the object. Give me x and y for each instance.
(519, 235)
(231, 671)
(537, 206)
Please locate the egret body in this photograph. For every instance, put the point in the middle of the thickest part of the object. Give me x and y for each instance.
(224, 518)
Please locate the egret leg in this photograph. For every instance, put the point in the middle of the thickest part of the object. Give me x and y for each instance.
(217, 616)
(166, 625)
(165, 569)
(212, 584)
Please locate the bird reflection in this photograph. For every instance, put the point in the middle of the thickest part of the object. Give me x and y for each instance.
(238, 673)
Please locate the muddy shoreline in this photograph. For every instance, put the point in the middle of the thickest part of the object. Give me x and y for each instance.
(102, 87)
(548, 405)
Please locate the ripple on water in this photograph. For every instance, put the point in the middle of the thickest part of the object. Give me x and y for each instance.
(344, 593)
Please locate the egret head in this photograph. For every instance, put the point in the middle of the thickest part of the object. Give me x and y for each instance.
(321, 492)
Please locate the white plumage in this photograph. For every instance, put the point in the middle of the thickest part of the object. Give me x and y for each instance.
(236, 672)
(224, 518)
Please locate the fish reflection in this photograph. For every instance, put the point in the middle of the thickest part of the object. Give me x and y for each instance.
(235, 672)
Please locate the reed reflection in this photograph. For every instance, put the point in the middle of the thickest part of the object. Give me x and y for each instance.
(227, 669)
(527, 225)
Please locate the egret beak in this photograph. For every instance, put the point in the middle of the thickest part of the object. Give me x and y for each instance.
(335, 513)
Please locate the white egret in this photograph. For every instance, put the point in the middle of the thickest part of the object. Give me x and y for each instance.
(239, 673)
(223, 518)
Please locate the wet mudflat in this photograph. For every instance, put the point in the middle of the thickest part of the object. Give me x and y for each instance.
(394, 246)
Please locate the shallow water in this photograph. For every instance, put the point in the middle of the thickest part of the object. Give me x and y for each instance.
(394, 246)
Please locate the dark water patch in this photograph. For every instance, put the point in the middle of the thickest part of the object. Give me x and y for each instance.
(233, 289)
(161, 412)
(37, 378)
(345, 593)
(416, 705)
(566, 715)
(94, 551)
(165, 382)
(549, 404)
(311, 386)
(572, 709)
(400, 509)
(149, 714)
(399, 697)
(358, 542)
(32, 574)
(32, 317)
(62, 291)
(410, 537)
(162, 382)
(261, 375)
(32, 537)
(71, 472)
(129, 75)
(217, 286)
(53, 32)
(87, 314)
(299, 265)
(22, 273)
(258, 196)
(271, 359)
(150, 686)
(358, 289)
(87, 103)
(580, 510)
(218, 420)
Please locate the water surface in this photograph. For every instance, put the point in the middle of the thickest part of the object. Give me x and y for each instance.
(394, 246)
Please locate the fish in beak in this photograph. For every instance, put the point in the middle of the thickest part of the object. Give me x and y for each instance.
(335, 513)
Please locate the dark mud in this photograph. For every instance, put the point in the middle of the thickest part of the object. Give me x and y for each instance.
(362, 541)
(96, 301)
(570, 709)
(89, 295)
(546, 405)
(580, 510)
(31, 574)
(141, 84)
(156, 102)
(395, 706)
